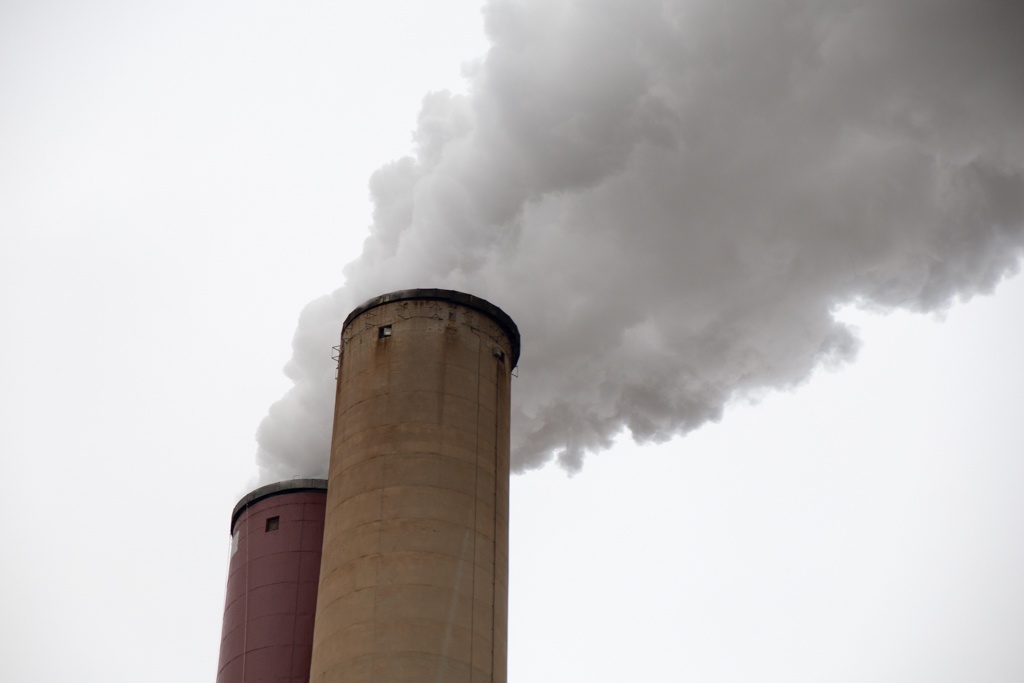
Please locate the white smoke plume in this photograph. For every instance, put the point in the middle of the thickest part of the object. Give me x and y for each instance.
(672, 197)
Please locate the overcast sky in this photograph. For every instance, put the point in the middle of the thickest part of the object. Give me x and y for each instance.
(775, 242)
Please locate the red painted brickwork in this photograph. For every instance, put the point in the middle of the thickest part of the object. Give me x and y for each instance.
(272, 585)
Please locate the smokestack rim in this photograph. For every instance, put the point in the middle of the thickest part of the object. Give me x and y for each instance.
(450, 295)
(275, 489)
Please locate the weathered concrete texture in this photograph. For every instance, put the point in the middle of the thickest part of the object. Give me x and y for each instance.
(272, 584)
(414, 575)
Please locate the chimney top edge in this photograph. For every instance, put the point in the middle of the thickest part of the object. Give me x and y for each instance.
(277, 488)
(450, 296)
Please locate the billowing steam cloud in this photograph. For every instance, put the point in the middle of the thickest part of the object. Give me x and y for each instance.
(671, 197)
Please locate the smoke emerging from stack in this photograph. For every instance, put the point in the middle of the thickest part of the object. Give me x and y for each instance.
(672, 197)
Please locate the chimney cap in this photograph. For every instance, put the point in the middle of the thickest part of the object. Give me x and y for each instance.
(287, 486)
(468, 300)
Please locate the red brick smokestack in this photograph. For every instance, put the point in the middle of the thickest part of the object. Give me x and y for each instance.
(276, 540)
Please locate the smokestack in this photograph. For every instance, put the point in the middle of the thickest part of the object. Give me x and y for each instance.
(276, 537)
(414, 576)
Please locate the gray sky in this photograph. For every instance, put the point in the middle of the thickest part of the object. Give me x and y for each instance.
(677, 202)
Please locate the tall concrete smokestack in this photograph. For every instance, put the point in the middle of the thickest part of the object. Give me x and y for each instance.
(414, 575)
(276, 536)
